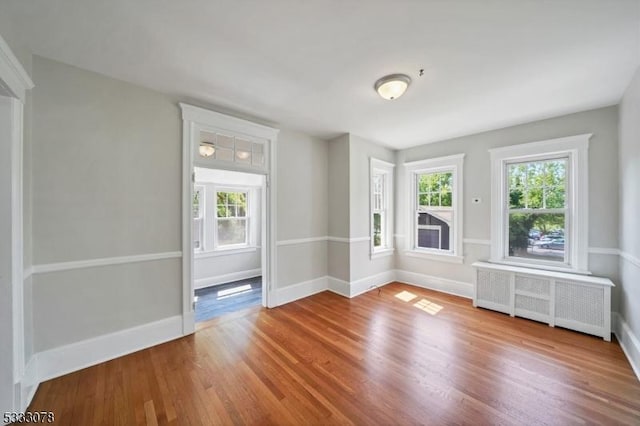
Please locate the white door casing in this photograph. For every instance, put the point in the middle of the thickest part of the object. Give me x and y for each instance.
(14, 84)
(195, 120)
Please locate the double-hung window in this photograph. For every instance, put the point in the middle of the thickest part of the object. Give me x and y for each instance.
(434, 210)
(381, 187)
(539, 204)
(435, 213)
(231, 220)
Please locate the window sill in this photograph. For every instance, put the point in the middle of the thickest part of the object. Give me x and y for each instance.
(566, 269)
(224, 252)
(382, 253)
(440, 257)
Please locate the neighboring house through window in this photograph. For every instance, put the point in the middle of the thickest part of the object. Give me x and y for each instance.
(539, 204)
(435, 194)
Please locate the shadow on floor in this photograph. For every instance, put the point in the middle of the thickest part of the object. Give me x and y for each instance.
(212, 302)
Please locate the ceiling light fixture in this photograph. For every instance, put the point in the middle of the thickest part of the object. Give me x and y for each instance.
(206, 149)
(242, 155)
(392, 86)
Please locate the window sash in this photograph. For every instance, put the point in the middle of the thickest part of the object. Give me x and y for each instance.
(379, 207)
(429, 209)
(232, 209)
(418, 227)
(566, 211)
(222, 220)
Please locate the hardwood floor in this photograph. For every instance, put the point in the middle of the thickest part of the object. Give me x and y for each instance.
(402, 356)
(222, 299)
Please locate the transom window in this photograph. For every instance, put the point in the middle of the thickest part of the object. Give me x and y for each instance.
(232, 222)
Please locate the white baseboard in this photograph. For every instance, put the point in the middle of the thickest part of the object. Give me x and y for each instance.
(338, 286)
(628, 341)
(76, 356)
(300, 290)
(444, 285)
(29, 383)
(227, 278)
(357, 287)
(188, 323)
(367, 283)
(335, 285)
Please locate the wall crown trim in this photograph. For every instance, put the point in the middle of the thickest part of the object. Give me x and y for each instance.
(13, 76)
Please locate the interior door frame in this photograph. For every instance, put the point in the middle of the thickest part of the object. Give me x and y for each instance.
(195, 119)
(14, 85)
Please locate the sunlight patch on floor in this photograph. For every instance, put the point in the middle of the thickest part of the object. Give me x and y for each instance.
(428, 306)
(406, 296)
(234, 291)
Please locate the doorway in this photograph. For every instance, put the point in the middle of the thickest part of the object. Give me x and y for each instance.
(216, 141)
(228, 224)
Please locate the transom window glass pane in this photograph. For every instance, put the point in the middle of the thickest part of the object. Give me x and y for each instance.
(538, 209)
(233, 149)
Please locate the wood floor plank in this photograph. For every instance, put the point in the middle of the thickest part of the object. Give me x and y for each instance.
(403, 355)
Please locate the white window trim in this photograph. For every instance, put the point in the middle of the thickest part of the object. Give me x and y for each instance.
(455, 164)
(385, 168)
(576, 148)
(209, 241)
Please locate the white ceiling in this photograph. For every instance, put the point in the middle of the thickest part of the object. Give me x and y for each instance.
(311, 65)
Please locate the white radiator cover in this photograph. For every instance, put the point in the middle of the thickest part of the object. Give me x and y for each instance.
(577, 302)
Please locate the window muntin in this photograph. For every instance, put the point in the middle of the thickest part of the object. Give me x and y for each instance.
(232, 221)
(538, 211)
(434, 211)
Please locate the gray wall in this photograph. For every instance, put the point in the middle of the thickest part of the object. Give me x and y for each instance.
(603, 184)
(360, 153)
(349, 219)
(211, 267)
(339, 207)
(106, 176)
(106, 173)
(302, 192)
(630, 205)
